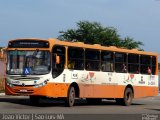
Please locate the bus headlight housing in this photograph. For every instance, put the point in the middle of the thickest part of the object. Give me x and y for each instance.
(10, 85)
(41, 84)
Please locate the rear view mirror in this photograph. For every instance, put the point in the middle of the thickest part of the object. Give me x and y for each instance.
(57, 59)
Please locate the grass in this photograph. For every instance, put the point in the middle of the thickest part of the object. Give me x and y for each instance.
(1, 85)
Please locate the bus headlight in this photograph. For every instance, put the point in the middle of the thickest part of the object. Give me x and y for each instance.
(10, 85)
(41, 84)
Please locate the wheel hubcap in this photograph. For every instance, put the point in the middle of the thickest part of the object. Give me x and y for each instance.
(72, 96)
(128, 97)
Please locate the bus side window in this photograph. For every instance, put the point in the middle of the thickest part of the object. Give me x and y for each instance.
(75, 58)
(71, 64)
(154, 61)
(145, 61)
(121, 62)
(148, 70)
(92, 60)
(107, 61)
(57, 69)
(133, 63)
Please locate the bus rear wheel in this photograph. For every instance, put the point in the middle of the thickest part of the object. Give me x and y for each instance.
(70, 100)
(127, 100)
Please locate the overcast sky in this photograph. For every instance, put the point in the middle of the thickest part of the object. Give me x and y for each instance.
(139, 19)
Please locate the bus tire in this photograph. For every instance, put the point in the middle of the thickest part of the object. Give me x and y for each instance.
(34, 100)
(127, 100)
(70, 100)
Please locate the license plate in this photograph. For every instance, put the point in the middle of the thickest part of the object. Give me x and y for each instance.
(23, 90)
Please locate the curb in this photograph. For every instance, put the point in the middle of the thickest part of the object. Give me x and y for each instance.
(2, 94)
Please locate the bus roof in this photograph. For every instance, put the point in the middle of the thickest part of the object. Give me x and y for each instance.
(53, 41)
(99, 47)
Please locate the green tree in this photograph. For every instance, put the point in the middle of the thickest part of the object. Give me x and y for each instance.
(95, 33)
(130, 43)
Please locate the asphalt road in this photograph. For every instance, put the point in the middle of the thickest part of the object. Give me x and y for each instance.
(107, 109)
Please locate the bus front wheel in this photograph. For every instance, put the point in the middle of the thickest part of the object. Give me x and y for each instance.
(127, 100)
(70, 100)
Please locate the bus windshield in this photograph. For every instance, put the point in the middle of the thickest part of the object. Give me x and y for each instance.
(28, 62)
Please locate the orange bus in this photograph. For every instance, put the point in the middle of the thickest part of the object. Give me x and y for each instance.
(70, 70)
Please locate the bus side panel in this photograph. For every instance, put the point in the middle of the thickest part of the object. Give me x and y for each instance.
(104, 91)
(144, 91)
(115, 91)
(54, 90)
(108, 91)
(101, 91)
(86, 90)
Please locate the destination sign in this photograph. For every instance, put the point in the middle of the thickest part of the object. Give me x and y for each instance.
(28, 44)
